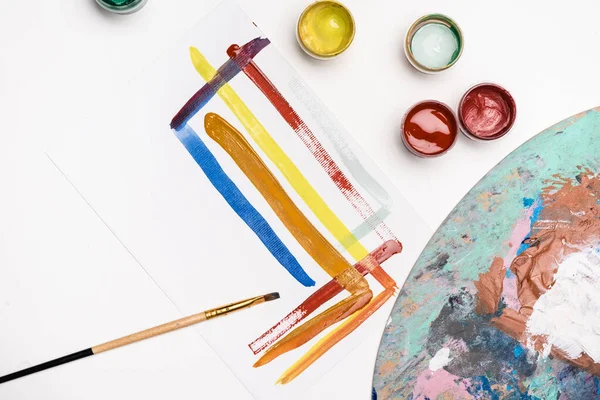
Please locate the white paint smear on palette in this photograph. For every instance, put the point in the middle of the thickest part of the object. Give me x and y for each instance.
(440, 360)
(568, 314)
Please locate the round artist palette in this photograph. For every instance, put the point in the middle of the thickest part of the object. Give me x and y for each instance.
(504, 302)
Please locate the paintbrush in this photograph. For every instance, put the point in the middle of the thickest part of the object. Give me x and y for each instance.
(139, 336)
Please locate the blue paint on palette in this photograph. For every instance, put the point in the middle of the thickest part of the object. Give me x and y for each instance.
(527, 202)
(480, 385)
(518, 351)
(553, 177)
(534, 217)
(238, 202)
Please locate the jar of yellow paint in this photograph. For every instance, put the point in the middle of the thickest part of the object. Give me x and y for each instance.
(325, 29)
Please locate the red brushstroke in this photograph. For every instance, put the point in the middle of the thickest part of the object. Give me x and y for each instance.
(311, 142)
(326, 293)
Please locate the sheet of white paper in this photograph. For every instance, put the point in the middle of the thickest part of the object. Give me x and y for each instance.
(136, 174)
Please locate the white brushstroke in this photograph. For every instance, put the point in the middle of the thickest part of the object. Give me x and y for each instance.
(568, 314)
(440, 360)
(286, 325)
(331, 129)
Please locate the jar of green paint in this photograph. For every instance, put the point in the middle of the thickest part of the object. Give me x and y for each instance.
(122, 6)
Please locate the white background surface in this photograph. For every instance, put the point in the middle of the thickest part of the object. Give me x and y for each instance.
(61, 62)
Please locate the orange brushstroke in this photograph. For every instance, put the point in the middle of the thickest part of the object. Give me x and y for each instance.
(326, 293)
(314, 326)
(332, 338)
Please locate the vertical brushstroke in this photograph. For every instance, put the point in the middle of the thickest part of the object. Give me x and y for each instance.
(311, 142)
(358, 171)
(322, 296)
(293, 175)
(238, 202)
(227, 71)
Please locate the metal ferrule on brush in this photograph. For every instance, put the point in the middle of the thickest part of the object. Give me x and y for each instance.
(215, 312)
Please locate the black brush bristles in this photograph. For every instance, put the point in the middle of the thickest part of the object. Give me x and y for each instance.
(271, 296)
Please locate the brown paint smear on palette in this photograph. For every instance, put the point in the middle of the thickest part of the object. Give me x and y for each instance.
(429, 129)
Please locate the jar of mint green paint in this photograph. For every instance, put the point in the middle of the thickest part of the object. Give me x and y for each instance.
(433, 43)
(122, 6)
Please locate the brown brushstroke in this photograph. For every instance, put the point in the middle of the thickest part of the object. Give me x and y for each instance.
(575, 216)
(489, 288)
(513, 323)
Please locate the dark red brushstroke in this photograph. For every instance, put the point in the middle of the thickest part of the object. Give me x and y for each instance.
(324, 294)
(224, 74)
(311, 142)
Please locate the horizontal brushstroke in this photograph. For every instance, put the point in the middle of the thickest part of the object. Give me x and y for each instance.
(316, 325)
(322, 296)
(276, 154)
(360, 205)
(311, 240)
(230, 69)
(238, 202)
(334, 337)
(329, 127)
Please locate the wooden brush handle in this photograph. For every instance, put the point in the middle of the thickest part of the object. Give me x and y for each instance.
(148, 333)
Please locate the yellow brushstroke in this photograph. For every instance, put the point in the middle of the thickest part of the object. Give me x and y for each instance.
(333, 337)
(276, 154)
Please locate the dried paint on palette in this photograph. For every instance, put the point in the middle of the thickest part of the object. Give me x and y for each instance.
(504, 303)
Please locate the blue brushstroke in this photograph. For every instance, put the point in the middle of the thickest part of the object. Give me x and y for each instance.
(597, 382)
(373, 395)
(538, 207)
(238, 202)
(518, 350)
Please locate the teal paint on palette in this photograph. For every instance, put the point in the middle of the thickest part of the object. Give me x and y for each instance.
(122, 6)
(443, 341)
